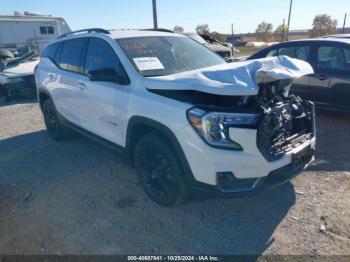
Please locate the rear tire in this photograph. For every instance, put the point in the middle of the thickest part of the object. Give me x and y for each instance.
(55, 128)
(159, 171)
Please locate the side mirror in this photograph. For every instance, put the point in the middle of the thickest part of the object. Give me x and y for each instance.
(107, 75)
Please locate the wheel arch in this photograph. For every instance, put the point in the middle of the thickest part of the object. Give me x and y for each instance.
(139, 126)
(43, 95)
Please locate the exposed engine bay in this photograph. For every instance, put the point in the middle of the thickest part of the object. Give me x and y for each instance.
(287, 120)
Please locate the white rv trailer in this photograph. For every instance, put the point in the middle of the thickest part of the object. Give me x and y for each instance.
(30, 29)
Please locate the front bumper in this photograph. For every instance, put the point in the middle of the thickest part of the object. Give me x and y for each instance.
(257, 186)
(205, 161)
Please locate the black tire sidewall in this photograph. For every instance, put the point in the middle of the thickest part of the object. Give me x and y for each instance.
(158, 144)
(58, 133)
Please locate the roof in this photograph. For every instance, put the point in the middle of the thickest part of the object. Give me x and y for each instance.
(118, 34)
(330, 39)
(337, 36)
(29, 18)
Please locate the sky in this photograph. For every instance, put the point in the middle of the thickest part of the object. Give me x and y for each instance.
(218, 14)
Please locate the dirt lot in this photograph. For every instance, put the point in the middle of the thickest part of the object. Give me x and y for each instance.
(79, 198)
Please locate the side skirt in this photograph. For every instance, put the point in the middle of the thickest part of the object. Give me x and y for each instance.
(121, 150)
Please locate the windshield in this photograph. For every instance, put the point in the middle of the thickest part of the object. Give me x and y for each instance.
(166, 55)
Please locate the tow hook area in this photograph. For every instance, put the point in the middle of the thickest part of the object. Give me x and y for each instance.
(302, 158)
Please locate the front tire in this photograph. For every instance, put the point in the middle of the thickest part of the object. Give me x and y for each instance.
(159, 171)
(54, 127)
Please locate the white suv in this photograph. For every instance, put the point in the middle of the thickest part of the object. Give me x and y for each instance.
(188, 121)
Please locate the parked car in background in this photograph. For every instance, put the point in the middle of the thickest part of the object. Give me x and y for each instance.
(329, 86)
(347, 36)
(17, 75)
(213, 40)
(221, 49)
(187, 120)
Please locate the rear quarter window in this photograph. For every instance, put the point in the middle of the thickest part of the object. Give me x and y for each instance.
(50, 51)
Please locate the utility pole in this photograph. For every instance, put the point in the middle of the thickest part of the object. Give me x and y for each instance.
(232, 40)
(283, 29)
(155, 20)
(344, 23)
(290, 12)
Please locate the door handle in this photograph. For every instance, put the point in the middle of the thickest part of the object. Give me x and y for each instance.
(323, 77)
(81, 85)
(52, 77)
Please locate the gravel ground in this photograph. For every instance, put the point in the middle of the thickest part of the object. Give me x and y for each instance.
(77, 197)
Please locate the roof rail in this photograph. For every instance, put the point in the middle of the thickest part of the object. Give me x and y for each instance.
(88, 30)
(159, 30)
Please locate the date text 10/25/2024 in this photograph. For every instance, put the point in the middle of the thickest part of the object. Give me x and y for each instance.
(173, 258)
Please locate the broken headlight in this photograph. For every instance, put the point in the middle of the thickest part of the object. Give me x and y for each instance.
(214, 127)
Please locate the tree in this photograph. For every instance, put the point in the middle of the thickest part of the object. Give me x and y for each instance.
(178, 29)
(264, 32)
(218, 36)
(279, 32)
(323, 25)
(203, 29)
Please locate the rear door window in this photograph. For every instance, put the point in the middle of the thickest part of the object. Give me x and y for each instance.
(333, 58)
(72, 55)
(298, 52)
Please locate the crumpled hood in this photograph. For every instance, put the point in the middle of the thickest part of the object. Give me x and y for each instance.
(240, 78)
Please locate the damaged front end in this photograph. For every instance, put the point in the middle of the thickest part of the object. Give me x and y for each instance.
(283, 121)
(251, 95)
(286, 123)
